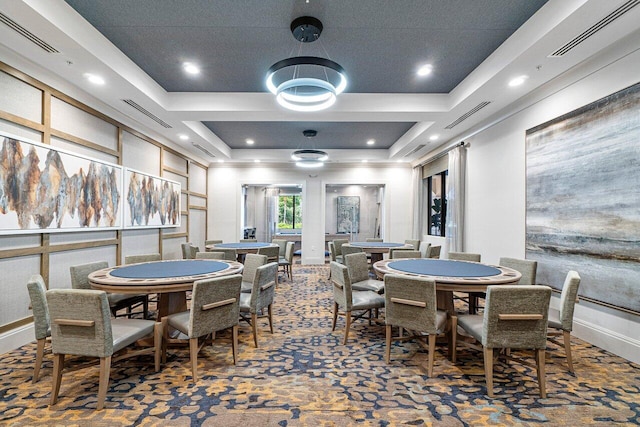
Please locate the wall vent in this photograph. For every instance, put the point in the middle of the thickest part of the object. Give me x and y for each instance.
(27, 34)
(624, 8)
(147, 113)
(203, 149)
(468, 114)
(415, 150)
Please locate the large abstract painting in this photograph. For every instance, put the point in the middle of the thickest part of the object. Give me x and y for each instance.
(583, 199)
(151, 201)
(348, 214)
(46, 189)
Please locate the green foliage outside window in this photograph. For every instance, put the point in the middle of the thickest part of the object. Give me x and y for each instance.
(290, 212)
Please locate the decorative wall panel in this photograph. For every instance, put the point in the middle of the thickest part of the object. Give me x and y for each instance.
(348, 214)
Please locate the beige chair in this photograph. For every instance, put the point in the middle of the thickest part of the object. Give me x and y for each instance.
(333, 256)
(189, 251)
(41, 323)
(261, 297)
(433, 252)
(286, 261)
(80, 280)
(464, 256)
(337, 243)
(515, 317)
(211, 255)
(373, 239)
(346, 300)
(348, 250)
(134, 259)
(80, 325)
(561, 323)
(410, 303)
(397, 254)
(248, 240)
(413, 242)
(470, 298)
(272, 252)
(230, 254)
(251, 264)
(358, 268)
(424, 248)
(214, 307)
(526, 267)
(212, 242)
(282, 245)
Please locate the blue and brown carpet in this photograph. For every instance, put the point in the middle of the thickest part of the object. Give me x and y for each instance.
(303, 375)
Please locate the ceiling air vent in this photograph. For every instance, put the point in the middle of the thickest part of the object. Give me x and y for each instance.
(203, 149)
(27, 34)
(626, 7)
(415, 150)
(468, 114)
(147, 113)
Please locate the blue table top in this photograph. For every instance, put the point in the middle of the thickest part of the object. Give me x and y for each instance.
(377, 244)
(242, 245)
(444, 268)
(167, 269)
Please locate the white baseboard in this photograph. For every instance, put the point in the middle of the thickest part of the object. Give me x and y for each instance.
(16, 338)
(606, 339)
(312, 260)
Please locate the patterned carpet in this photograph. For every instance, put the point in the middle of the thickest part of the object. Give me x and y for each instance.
(302, 375)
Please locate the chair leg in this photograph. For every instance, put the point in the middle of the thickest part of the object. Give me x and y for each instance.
(335, 316)
(103, 384)
(567, 349)
(387, 354)
(270, 315)
(347, 320)
(488, 370)
(39, 357)
(432, 351)
(193, 353)
(234, 343)
(145, 307)
(165, 332)
(453, 339)
(254, 326)
(540, 362)
(58, 364)
(157, 344)
(473, 304)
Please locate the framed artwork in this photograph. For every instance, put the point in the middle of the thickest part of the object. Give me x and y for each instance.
(583, 202)
(44, 189)
(348, 214)
(151, 201)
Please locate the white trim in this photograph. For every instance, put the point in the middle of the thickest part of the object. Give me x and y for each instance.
(624, 346)
(16, 338)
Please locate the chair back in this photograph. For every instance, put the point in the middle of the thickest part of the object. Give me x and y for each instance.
(272, 252)
(348, 250)
(568, 299)
(516, 316)
(332, 251)
(80, 322)
(433, 251)
(37, 294)
(424, 248)
(80, 273)
(189, 251)
(373, 239)
(342, 292)
(464, 256)
(338, 245)
(410, 302)
(210, 255)
(526, 267)
(248, 240)
(357, 266)
(251, 264)
(215, 305)
(230, 254)
(406, 254)
(212, 242)
(282, 244)
(134, 259)
(288, 253)
(264, 287)
(413, 242)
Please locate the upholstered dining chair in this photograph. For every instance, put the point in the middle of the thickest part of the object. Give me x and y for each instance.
(348, 250)
(215, 306)
(515, 317)
(80, 280)
(41, 323)
(286, 261)
(413, 242)
(410, 303)
(134, 259)
(358, 269)
(406, 254)
(80, 325)
(230, 254)
(210, 255)
(373, 239)
(333, 256)
(471, 298)
(248, 240)
(465, 256)
(526, 267)
(272, 252)
(337, 243)
(424, 248)
(561, 322)
(433, 251)
(346, 300)
(251, 264)
(282, 245)
(212, 242)
(189, 251)
(261, 297)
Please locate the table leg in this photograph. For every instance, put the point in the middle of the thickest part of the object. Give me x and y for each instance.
(375, 257)
(171, 302)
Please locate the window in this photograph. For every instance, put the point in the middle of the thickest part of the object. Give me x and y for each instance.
(290, 212)
(436, 199)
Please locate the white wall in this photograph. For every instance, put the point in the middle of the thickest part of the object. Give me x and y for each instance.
(496, 185)
(225, 199)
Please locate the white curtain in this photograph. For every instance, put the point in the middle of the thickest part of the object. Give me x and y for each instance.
(455, 199)
(271, 207)
(416, 208)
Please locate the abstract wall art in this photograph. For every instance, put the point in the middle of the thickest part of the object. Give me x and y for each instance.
(151, 201)
(46, 189)
(583, 199)
(348, 214)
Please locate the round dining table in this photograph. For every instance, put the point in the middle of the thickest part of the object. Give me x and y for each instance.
(169, 279)
(378, 249)
(242, 248)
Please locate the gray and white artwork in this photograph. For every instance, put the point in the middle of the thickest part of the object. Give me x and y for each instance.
(583, 199)
(152, 201)
(348, 214)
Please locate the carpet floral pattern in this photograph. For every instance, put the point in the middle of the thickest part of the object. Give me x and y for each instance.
(302, 375)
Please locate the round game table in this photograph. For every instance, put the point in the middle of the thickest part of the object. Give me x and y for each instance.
(378, 249)
(242, 248)
(169, 279)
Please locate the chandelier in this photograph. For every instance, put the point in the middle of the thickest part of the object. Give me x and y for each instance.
(309, 157)
(306, 83)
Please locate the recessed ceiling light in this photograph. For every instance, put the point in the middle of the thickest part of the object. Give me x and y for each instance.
(256, 161)
(434, 137)
(518, 81)
(95, 79)
(364, 160)
(220, 161)
(183, 137)
(371, 142)
(250, 141)
(399, 161)
(425, 70)
(190, 68)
